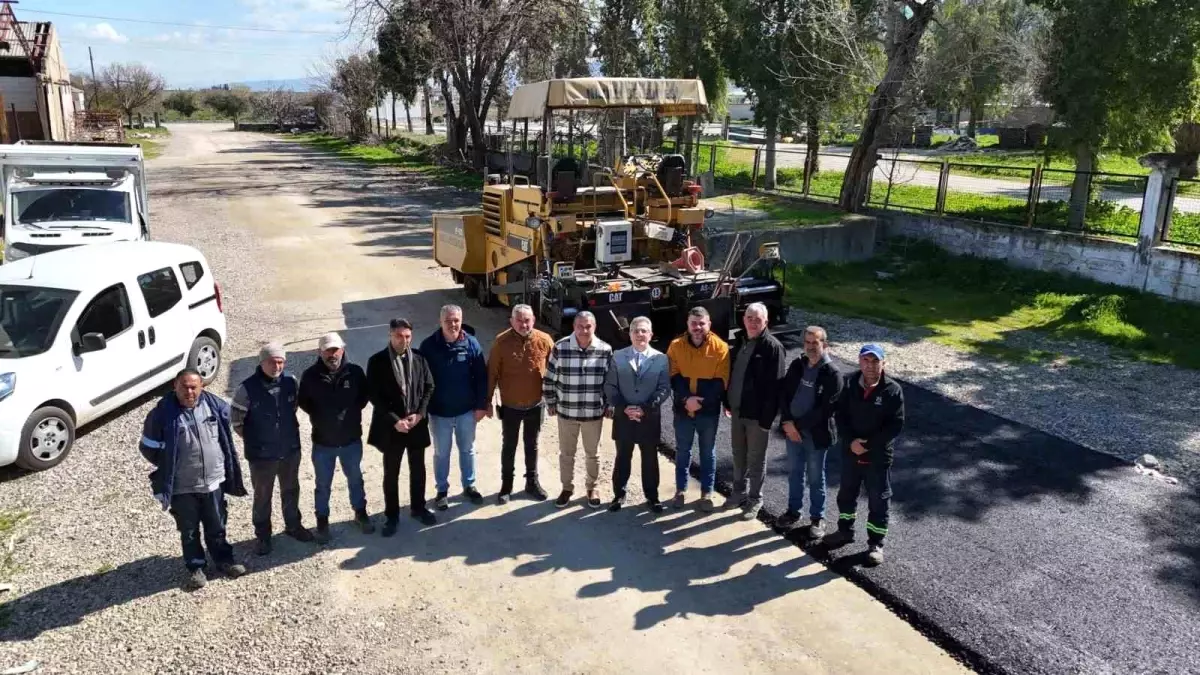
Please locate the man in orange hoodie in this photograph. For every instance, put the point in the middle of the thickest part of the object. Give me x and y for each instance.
(699, 369)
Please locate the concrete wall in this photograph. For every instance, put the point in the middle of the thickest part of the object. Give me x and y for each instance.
(851, 239)
(1169, 272)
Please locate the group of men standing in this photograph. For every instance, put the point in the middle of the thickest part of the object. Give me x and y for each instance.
(440, 391)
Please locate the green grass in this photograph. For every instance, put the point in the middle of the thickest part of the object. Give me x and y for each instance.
(976, 304)
(782, 211)
(409, 153)
(151, 147)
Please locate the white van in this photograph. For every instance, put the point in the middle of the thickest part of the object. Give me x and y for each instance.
(87, 329)
(57, 195)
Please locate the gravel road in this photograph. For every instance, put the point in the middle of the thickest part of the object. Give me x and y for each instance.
(302, 244)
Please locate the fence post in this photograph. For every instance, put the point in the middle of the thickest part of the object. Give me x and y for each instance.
(754, 178)
(943, 185)
(1035, 193)
(712, 160)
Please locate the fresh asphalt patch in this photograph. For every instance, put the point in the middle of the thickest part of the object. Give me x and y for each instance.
(1017, 551)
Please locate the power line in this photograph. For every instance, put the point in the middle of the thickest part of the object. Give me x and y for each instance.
(142, 45)
(185, 25)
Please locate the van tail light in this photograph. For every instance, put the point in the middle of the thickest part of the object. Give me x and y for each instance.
(220, 304)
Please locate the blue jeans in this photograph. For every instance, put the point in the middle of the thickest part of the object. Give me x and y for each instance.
(325, 459)
(446, 429)
(686, 429)
(806, 458)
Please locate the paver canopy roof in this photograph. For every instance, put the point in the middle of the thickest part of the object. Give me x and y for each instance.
(669, 97)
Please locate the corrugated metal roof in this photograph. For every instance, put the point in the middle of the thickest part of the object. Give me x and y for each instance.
(15, 50)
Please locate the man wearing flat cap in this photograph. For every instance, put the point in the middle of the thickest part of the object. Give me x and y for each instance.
(333, 392)
(263, 413)
(870, 415)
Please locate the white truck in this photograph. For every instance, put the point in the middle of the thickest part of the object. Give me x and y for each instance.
(57, 195)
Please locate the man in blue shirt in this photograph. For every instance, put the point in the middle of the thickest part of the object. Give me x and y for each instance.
(460, 401)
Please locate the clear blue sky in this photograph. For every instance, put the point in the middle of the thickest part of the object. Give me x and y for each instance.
(203, 52)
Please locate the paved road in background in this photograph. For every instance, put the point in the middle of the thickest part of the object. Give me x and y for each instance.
(1034, 553)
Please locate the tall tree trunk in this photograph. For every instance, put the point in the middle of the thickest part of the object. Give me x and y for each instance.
(426, 93)
(769, 172)
(394, 112)
(1085, 162)
(408, 114)
(972, 119)
(883, 100)
(813, 137)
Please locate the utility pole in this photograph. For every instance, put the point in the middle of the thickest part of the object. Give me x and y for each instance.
(95, 85)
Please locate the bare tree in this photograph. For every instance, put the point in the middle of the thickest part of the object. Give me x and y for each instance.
(356, 81)
(278, 105)
(131, 86)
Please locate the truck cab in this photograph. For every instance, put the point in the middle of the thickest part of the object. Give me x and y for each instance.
(59, 195)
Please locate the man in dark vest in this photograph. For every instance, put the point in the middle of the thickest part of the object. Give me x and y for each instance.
(399, 386)
(188, 440)
(264, 415)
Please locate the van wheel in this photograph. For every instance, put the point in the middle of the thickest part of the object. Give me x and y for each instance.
(205, 357)
(46, 439)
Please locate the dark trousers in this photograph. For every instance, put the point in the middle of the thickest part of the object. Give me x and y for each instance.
(263, 474)
(511, 421)
(623, 466)
(878, 479)
(208, 510)
(392, 457)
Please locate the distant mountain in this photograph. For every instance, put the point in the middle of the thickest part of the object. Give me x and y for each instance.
(298, 84)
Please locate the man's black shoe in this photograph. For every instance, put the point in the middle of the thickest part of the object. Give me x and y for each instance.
(300, 534)
(534, 489)
(322, 535)
(426, 517)
(564, 498)
(263, 547)
(473, 494)
(616, 504)
(389, 528)
(658, 507)
(503, 498)
(364, 521)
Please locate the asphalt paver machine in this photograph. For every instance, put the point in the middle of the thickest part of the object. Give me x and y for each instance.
(619, 241)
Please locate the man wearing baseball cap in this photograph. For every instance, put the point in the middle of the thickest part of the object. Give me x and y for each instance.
(870, 415)
(333, 392)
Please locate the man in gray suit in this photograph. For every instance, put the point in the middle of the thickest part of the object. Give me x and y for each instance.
(637, 384)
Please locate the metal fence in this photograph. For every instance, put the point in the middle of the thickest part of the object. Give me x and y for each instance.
(1183, 223)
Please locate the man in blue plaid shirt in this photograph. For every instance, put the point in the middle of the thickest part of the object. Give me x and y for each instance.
(574, 390)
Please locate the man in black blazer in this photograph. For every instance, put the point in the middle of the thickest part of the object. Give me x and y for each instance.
(399, 386)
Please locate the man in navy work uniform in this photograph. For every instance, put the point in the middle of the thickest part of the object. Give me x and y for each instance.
(870, 415)
(460, 401)
(187, 437)
(264, 415)
(333, 392)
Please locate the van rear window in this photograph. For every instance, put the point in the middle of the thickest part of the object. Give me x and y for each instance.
(193, 272)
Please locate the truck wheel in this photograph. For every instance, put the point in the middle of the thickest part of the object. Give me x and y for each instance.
(205, 357)
(46, 439)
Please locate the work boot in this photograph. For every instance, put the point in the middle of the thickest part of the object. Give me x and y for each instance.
(750, 512)
(503, 498)
(364, 521)
(196, 580)
(564, 498)
(875, 554)
(680, 500)
(233, 570)
(707, 504)
(425, 517)
(300, 533)
(838, 539)
(816, 530)
(263, 547)
(616, 504)
(505, 491)
(788, 520)
(441, 502)
(473, 494)
(322, 535)
(736, 500)
(389, 527)
(534, 489)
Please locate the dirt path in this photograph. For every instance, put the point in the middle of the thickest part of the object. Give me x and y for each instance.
(302, 245)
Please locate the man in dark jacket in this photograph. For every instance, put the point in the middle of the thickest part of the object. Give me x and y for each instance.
(333, 392)
(399, 386)
(460, 401)
(188, 439)
(811, 391)
(869, 417)
(264, 415)
(752, 400)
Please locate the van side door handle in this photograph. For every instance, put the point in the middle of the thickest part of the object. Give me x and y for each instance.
(151, 334)
(141, 340)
